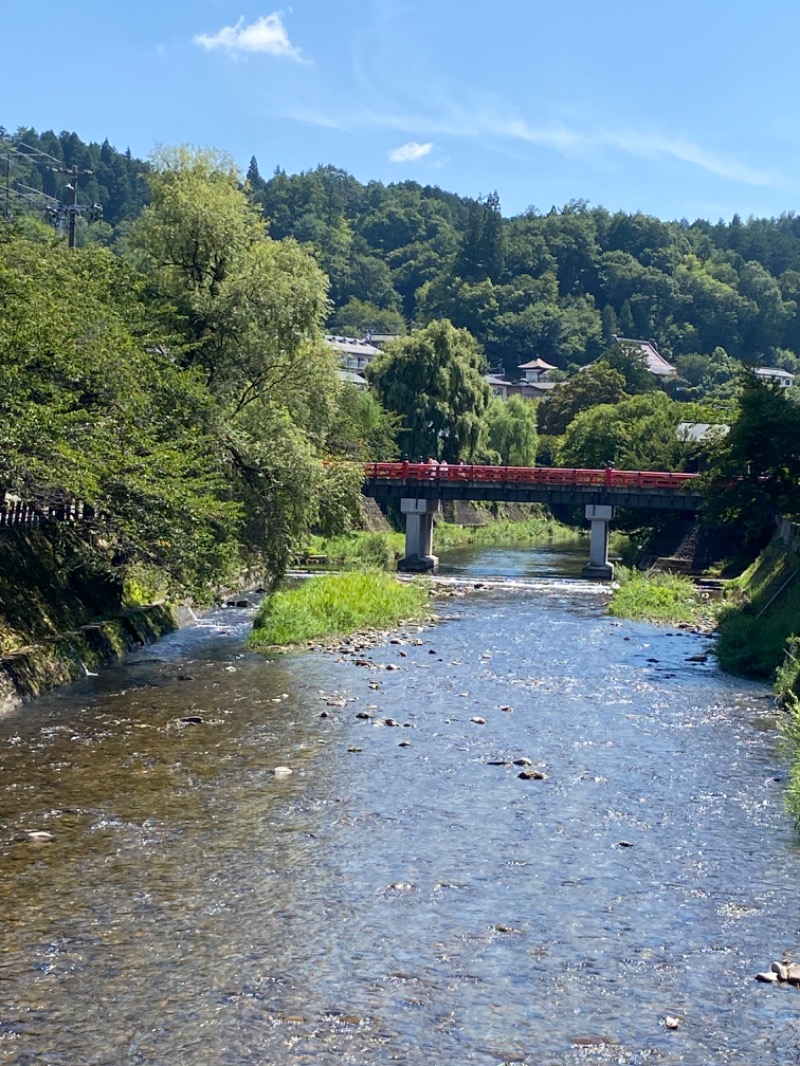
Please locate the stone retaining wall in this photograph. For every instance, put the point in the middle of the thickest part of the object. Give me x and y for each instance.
(31, 671)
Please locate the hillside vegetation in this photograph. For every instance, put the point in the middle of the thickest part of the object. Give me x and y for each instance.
(557, 282)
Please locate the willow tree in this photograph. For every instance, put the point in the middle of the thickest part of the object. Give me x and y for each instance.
(433, 381)
(247, 313)
(512, 431)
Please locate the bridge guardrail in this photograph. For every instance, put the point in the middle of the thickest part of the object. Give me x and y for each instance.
(608, 478)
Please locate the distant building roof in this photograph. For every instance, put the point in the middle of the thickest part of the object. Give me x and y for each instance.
(382, 338)
(776, 374)
(351, 345)
(494, 379)
(655, 361)
(350, 377)
(692, 432)
(533, 388)
(536, 364)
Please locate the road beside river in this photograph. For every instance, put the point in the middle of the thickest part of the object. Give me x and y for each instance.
(403, 896)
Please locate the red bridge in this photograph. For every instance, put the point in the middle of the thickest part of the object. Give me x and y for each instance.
(421, 486)
(534, 484)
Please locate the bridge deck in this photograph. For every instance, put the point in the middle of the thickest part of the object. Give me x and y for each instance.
(652, 489)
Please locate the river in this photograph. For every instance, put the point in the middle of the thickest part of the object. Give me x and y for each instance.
(403, 896)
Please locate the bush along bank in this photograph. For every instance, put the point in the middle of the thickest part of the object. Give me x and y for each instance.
(761, 614)
(759, 636)
(334, 605)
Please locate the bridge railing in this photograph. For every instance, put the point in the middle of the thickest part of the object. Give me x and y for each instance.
(607, 478)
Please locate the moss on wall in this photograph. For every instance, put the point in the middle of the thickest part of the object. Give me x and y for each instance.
(37, 668)
(52, 579)
(61, 611)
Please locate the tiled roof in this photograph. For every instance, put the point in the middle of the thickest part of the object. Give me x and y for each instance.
(774, 372)
(656, 363)
(536, 364)
(351, 345)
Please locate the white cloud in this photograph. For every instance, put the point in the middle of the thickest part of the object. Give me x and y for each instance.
(572, 141)
(410, 153)
(267, 34)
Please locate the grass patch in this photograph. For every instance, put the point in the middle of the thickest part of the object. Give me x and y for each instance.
(336, 604)
(656, 597)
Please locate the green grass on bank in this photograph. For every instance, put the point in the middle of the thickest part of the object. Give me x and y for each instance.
(535, 529)
(381, 550)
(336, 604)
(664, 598)
(360, 550)
(761, 614)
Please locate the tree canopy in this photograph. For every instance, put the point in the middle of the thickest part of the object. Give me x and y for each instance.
(557, 284)
(181, 390)
(512, 434)
(635, 434)
(94, 409)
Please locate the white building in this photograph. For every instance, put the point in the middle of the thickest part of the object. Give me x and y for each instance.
(354, 354)
(778, 376)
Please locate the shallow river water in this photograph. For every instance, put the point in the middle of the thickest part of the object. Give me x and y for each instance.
(403, 896)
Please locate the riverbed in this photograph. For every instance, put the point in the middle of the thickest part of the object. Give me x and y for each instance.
(403, 895)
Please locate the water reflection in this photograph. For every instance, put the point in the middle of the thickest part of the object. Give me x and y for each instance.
(402, 896)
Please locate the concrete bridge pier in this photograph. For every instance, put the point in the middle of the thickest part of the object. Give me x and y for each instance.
(599, 567)
(419, 555)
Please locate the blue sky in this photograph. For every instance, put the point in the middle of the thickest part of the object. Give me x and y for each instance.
(679, 108)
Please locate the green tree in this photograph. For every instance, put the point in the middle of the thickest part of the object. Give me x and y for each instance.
(361, 428)
(636, 434)
(512, 431)
(358, 318)
(630, 361)
(433, 381)
(482, 252)
(596, 384)
(247, 312)
(92, 407)
(755, 471)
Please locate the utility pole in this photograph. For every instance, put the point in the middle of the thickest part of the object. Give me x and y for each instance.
(72, 209)
(23, 197)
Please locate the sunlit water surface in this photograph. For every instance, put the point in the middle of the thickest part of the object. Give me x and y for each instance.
(403, 896)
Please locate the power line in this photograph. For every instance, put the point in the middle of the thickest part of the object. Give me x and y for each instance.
(57, 211)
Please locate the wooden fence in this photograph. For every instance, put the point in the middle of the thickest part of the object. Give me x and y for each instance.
(17, 514)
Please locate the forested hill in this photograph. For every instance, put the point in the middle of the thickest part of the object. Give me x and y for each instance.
(555, 284)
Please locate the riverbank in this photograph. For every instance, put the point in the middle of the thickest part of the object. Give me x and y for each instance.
(30, 671)
(383, 549)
